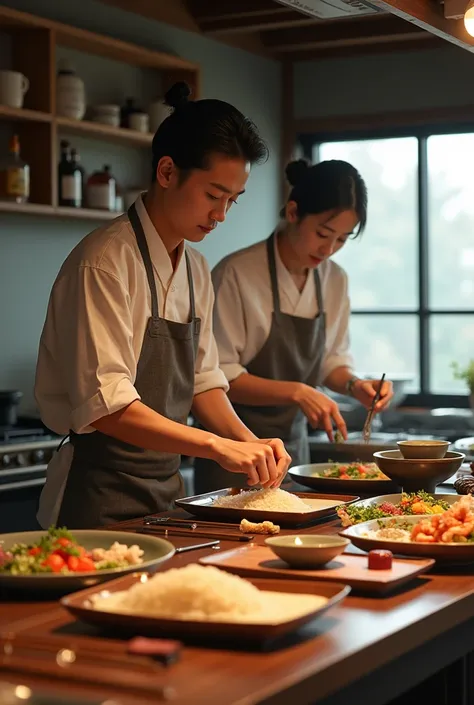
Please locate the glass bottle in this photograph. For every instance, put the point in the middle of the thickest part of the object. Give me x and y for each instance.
(69, 179)
(128, 109)
(14, 175)
(76, 160)
(101, 190)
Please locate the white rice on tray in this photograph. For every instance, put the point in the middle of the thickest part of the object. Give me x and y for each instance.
(206, 594)
(272, 500)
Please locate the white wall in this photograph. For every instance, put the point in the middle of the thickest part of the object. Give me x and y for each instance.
(32, 249)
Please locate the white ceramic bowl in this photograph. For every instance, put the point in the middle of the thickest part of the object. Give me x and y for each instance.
(423, 449)
(306, 551)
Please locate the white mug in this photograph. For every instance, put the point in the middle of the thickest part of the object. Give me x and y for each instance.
(13, 86)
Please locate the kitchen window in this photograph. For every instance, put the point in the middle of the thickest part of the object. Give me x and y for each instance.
(411, 274)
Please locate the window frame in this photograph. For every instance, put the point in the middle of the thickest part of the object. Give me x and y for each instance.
(309, 143)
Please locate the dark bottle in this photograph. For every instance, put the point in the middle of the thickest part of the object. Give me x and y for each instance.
(69, 179)
(127, 110)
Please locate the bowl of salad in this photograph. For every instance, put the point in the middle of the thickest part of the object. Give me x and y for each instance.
(63, 560)
(447, 536)
(403, 504)
(355, 477)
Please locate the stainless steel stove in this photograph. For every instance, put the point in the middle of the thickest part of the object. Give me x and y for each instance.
(24, 456)
(25, 451)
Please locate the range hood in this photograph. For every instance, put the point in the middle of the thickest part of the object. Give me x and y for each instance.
(331, 9)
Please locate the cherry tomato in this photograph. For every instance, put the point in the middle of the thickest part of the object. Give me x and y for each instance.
(72, 563)
(64, 542)
(55, 562)
(67, 548)
(85, 565)
(35, 551)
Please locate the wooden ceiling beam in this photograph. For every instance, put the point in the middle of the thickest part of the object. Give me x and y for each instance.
(429, 15)
(342, 33)
(222, 9)
(177, 14)
(174, 13)
(261, 22)
(336, 51)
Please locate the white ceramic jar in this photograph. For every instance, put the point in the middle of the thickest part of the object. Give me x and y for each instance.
(107, 115)
(70, 93)
(139, 122)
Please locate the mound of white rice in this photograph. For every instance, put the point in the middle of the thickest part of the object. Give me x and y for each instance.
(204, 593)
(273, 500)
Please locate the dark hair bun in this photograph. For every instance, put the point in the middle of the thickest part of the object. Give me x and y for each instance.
(177, 95)
(295, 171)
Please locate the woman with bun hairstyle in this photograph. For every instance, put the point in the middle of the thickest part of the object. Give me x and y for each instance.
(281, 316)
(127, 348)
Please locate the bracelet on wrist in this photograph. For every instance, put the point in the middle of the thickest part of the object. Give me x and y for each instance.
(350, 385)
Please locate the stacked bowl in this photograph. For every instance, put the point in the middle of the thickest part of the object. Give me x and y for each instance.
(419, 464)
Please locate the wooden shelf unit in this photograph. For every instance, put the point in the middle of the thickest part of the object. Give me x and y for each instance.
(56, 211)
(34, 41)
(119, 135)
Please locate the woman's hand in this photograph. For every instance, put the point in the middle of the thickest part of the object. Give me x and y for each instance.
(320, 410)
(364, 390)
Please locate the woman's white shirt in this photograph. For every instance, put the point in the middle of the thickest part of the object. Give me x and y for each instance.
(244, 305)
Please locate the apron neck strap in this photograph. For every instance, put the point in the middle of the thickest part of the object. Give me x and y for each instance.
(190, 285)
(145, 253)
(271, 243)
(319, 292)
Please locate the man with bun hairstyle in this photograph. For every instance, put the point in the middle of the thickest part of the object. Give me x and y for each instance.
(127, 349)
(281, 317)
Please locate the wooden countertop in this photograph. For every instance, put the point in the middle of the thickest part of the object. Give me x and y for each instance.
(404, 637)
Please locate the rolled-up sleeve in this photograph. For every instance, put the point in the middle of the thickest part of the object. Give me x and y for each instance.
(229, 322)
(337, 352)
(208, 374)
(93, 343)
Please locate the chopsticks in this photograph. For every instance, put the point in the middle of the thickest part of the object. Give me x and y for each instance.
(179, 531)
(368, 421)
(87, 663)
(183, 527)
(188, 523)
(196, 546)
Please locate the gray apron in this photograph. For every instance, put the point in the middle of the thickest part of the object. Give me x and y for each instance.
(293, 352)
(109, 480)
